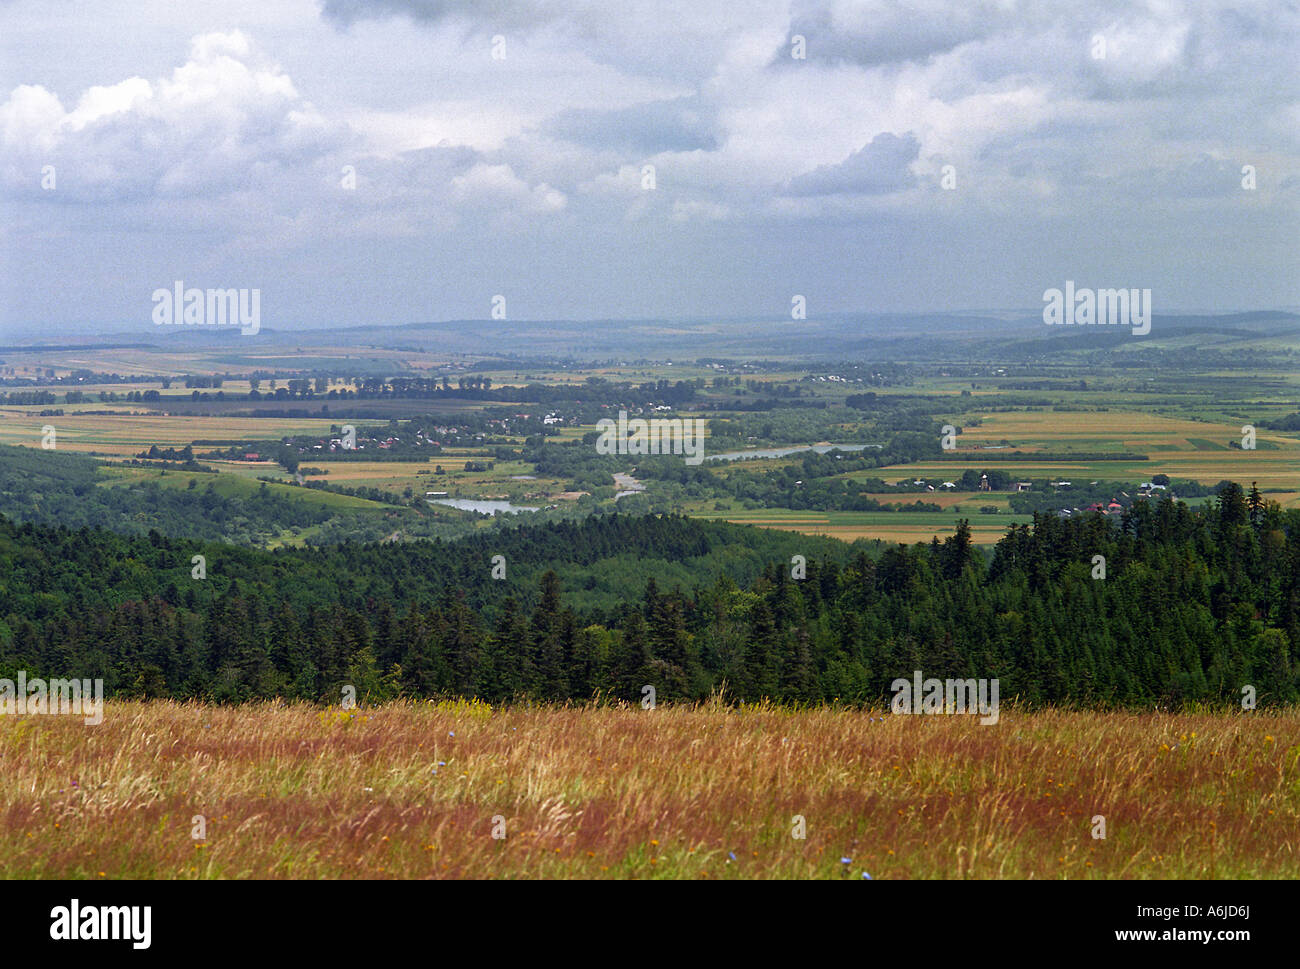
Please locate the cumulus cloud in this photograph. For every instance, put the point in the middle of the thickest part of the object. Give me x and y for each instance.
(497, 186)
(227, 140)
(881, 165)
(201, 131)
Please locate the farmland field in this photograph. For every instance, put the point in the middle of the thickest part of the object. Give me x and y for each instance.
(1186, 449)
(124, 435)
(1190, 439)
(907, 527)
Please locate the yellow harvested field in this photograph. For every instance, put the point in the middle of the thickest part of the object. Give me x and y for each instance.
(381, 470)
(1115, 430)
(125, 435)
(1115, 425)
(981, 533)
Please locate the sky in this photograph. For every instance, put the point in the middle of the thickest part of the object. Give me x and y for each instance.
(392, 161)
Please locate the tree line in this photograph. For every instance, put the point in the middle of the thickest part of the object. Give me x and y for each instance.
(1194, 605)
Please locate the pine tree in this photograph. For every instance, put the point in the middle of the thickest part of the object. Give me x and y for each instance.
(545, 642)
(629, 666)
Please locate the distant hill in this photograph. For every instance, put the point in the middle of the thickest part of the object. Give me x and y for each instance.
(928, 337)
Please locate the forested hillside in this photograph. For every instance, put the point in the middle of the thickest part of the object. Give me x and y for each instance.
(1194, 606)
(50, 487)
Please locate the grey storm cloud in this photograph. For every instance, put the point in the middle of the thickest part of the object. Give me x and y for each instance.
(680, 124)
(878, 167)
(372, 153)
(674, 39)
(501, 13)
(890, 33)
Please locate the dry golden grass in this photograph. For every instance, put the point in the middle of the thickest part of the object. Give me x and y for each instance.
(411, 790)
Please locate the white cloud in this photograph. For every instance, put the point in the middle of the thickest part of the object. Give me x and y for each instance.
(497, 185)
(199, 132)
(699, 210)
(247, 136)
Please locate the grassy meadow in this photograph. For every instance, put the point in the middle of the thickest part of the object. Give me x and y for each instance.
(414, 791)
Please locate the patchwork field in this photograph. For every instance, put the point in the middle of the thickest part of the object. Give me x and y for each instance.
(418, 790)
(1194, 450)
(1273, 469)
(1179, 441)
